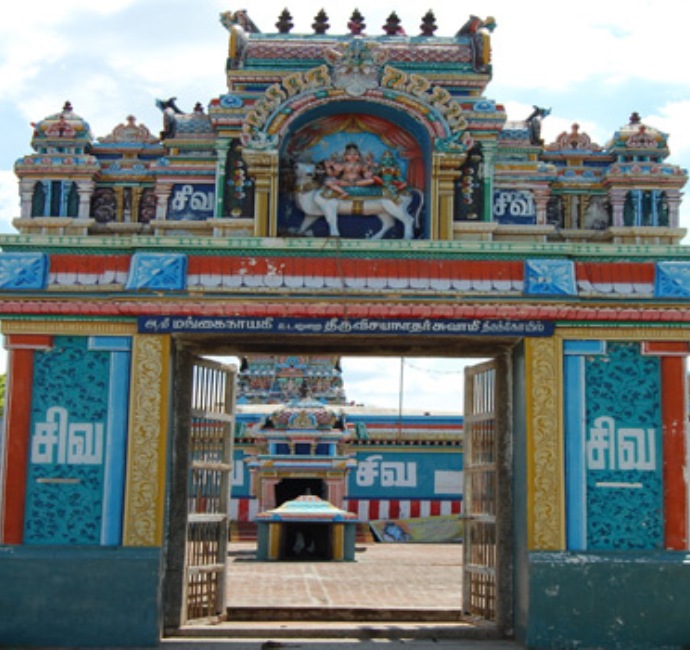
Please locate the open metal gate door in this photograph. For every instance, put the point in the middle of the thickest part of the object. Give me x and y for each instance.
(480, 465)
(208, 498)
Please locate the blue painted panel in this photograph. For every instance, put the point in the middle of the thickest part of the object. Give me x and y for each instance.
(68, 442)
(574, 382)
(116, 448)
(584, 347)
(240, 475)
(23, 271)
(193, 202)
(623, 451)
(111, 343)
(550, 278)
(672, 280)
(158, 271)
(573, 377)
(514, 207)
(368, 327)
(383, 475)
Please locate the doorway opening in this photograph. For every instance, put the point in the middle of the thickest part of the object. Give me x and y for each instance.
(307, 541)
(291, 488)
(492, 554)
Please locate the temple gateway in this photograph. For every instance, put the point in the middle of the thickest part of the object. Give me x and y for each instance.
(348, 194)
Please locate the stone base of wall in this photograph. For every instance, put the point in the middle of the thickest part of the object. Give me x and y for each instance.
(632, 600)
(67, 597)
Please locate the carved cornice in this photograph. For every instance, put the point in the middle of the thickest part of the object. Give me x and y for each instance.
(192, 245)
(442, 306)
(624, 334)
(61, 327)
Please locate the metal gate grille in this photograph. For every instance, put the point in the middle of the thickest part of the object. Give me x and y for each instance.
(211, 441)
(480, 497)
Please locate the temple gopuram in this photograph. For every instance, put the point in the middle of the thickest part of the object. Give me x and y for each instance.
(298, 435)
(345, 194)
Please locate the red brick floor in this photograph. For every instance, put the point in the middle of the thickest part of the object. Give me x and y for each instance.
(395, 576)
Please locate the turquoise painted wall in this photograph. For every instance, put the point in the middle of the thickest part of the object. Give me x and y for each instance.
(623, 600)
(76, 472)
(65, 485)
(88, 596)
(614, 453)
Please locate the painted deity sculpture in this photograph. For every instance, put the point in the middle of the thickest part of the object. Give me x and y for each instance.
(350, 171)
(317, 201)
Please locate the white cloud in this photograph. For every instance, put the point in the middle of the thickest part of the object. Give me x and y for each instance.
(9, 201)
(553, 125)
(23, 55)
(673, 118)
(31, 36)
(428, 384)
(546, 44)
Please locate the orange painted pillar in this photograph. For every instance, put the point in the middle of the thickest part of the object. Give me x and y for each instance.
(18, 416)
(674, 417)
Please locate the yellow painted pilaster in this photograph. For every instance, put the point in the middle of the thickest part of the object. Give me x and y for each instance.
(545, 460)
(445, 171)
(146, 449)
(263, 167)
(274, 541)
(338, 542)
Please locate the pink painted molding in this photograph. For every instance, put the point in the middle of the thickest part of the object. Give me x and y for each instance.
(104, 308)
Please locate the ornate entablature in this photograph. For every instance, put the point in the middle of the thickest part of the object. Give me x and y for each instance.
(355, 136)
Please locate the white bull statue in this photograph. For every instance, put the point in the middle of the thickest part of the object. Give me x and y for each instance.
(310, 198)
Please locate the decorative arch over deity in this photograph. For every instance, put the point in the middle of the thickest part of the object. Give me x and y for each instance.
(356, 141)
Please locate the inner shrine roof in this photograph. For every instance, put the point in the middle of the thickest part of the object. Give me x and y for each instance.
(307, 508)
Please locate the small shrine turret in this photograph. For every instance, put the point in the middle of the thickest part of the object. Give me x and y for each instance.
(58, 179)
(644, 190)
(578, 202)
(299, 451)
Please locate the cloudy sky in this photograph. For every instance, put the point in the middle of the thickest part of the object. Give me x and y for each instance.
(591, 62)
